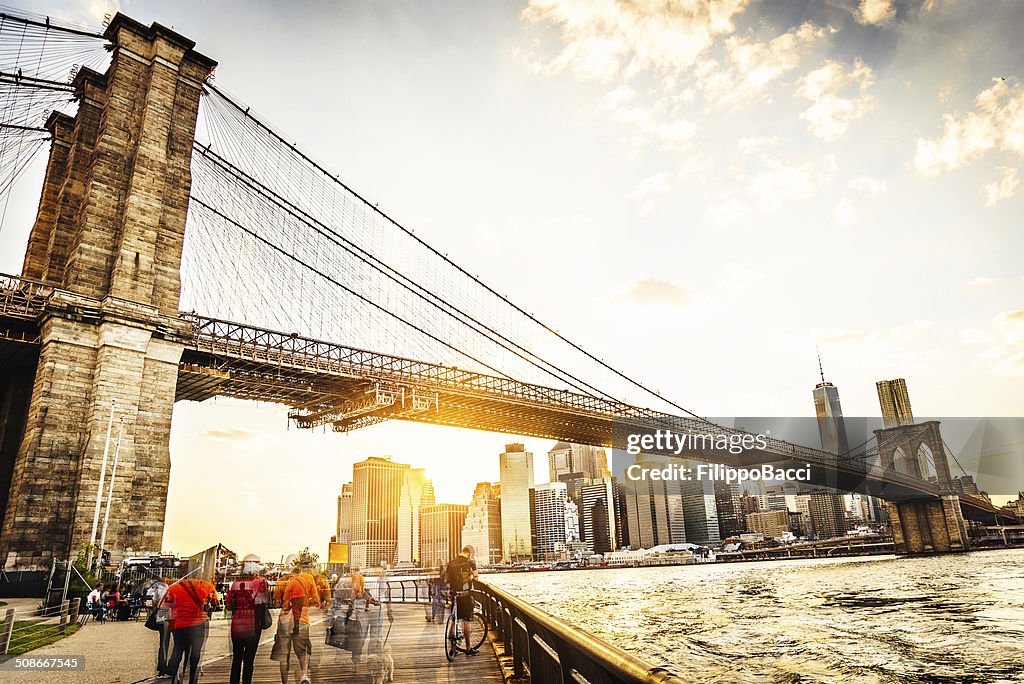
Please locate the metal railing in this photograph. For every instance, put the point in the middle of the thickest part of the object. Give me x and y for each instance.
(21, 297)
(402, 590)
(24, 630)
(549, 650)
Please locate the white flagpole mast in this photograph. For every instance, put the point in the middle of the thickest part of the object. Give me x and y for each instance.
(99, 492)
(110, 487)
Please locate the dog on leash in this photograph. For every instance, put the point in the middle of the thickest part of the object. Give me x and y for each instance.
(381, 666)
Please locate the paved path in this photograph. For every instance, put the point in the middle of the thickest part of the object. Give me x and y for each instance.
(414, 646)
(125, 653)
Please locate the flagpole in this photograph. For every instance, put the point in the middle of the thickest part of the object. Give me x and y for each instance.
(110, 487)
(99, 492)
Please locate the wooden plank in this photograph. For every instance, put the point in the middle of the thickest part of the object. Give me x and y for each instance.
(414, 646)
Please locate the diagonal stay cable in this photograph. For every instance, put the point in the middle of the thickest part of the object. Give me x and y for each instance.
(338, 284)
(245, 111)
(403, 281)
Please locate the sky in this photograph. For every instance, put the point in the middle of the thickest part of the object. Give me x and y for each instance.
(700, 193)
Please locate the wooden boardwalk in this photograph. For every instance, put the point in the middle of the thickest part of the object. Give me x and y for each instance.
(415, 646)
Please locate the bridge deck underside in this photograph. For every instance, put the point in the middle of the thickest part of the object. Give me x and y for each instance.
(204, 375)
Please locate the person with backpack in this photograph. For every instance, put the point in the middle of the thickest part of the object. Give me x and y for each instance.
(460, 574)
(189, 600)
(298, 595)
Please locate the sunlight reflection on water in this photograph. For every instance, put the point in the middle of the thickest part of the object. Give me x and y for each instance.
(954, 618)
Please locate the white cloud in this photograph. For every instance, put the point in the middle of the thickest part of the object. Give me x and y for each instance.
(845, 214)
(770, 188)
(649, 188)
(90, 12)
(696, 167)
(647, 122)
(982, 281)
(1004, 188)
(877, 12)
(997, 123)
(756, 144)
(753, 66)
(871, 187)
(838, 96)
(229, 435)
(607, 39)
(1006, 337)
(652, 291)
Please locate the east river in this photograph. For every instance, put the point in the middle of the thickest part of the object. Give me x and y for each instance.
(953, 618)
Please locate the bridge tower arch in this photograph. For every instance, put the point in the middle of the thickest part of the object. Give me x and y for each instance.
(108, 237)
(903, 463)
(927, 525)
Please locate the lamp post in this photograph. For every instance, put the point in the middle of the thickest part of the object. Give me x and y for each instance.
(110, 487)
(99, 491)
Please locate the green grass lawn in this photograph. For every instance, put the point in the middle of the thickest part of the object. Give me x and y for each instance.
(28, 635)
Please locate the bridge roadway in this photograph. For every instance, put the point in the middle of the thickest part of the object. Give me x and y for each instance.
(328, 383)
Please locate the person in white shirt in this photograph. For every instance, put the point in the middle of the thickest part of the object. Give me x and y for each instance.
(154, 598)
(95, 602)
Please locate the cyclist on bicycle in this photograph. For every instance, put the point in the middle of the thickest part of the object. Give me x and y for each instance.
(459, 575)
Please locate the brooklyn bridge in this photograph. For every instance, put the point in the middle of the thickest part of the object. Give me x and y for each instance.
(185, 249)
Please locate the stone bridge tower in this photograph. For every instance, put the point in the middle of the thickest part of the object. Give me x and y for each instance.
(108, 237)
(928, 525)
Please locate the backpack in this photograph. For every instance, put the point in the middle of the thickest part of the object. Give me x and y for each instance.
(460, 574)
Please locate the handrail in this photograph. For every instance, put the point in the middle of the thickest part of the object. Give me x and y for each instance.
(551, 650)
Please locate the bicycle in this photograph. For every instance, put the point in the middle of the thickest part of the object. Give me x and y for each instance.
(453, 636)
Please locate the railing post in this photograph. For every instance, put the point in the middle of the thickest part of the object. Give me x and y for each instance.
(74, 608)
(64, 605)
(6, 630)
(521, 647)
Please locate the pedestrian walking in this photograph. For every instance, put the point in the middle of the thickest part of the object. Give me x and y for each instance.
(245, 600)
(189, 601)
(297, 596)
(155, 602)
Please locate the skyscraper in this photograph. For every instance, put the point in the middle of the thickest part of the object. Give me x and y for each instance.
(828, 515)
(700, 512)
(731, 519)
(826, 506)
(565, 458)
(597, 503)
(560, 461)
(343, 534)
(482, 530)
(550, 515)
(895, 402)
(772, 523)
(830, 416)
(516, 472)
(654, 508)
(417, 492)
(440, 533)
(376, 490)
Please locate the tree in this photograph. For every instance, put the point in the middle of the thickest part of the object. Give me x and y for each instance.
(305, 559)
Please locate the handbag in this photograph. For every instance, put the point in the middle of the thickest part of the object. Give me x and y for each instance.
(336, 636)
(151, 621)
(266, 619)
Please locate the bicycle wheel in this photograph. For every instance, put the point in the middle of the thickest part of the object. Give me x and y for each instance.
(478, 631)
(451, 638)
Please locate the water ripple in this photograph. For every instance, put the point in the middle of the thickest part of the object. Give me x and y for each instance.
(954, 618)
